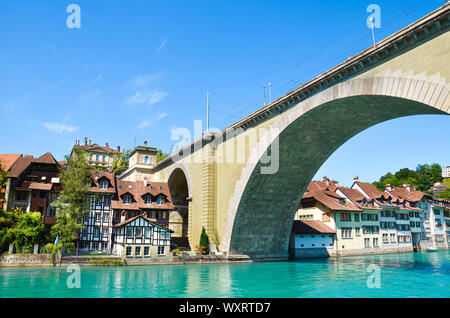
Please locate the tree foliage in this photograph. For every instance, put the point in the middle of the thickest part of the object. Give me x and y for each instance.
(423, 178)
(73, 200)
(204, 242)
(121, 162)
(160, 155)
(22, 229)
(3, 176)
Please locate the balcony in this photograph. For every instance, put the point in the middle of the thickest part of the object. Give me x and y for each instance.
(51, 220)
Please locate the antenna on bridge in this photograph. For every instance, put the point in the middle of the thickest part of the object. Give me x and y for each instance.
(373, 33)
(207, 110)
(270, 93)
(264, 87)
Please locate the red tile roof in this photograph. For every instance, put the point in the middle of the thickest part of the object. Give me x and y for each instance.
(311, 227)
(23, 163)
(8, 160)
(330, 200)
(138, 190)
(96, 178)
(94, 146)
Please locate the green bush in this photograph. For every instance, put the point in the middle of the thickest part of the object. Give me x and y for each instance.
(107, 262)
(49, 248)
(204, 242)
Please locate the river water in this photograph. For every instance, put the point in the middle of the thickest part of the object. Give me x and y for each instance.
(389, 275)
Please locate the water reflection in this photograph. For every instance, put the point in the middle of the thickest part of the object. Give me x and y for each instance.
(401, 274)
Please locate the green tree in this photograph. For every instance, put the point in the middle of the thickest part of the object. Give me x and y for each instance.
(121, 162)
(204, 242)
(3, 176)
(73, 201)
(160, 155)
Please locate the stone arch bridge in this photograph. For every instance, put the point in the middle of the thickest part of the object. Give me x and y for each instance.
(245, 183)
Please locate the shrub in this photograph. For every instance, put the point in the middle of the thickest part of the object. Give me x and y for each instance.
(49, 248)
(107, 262)
(204, 242)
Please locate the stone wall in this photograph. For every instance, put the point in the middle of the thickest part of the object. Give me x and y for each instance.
(26, 260)
(369, 251)
(300, 253)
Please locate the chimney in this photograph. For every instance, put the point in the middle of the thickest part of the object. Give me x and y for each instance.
(388, 187)
(406, 186)
(145, 182)
(118, 148)
(123, 216)
(145, 143)
(85, 141)
(89, 142)
(355, 178)
(107, 145)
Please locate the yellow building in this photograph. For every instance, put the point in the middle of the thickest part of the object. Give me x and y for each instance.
(142, 162)
(98, 156)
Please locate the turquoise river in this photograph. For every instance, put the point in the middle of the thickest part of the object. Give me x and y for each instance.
(400, 275)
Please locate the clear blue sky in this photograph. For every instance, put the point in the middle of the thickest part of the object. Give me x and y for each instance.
(141, 68)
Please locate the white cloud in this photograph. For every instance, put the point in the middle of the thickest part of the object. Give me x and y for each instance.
(60, 128)
(162, 45)
(146, 97)
(161, 116)
(143, 79)
(150, 121)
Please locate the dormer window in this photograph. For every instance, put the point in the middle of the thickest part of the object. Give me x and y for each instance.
(161, 200)
(148, 199)
(103, 184)
(127, 199)
(160, 188)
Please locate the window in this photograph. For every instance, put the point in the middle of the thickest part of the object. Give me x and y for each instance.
(104, 158)
(96, 232)
(346, 232)
(418, 224)
(365, 217)
(42, 194)
(97, 217)
(90, 156)
(146, 250)
(346, 217)
(161, 250)
(105, 217)
(128, 250)
(146, 159)
(137, 251)
(129, 232)
(366, 242)
(97, 157)
(103, 184)
(385, 238)
(161, 200)
(356, 217)
(127, 199)
(357, 231)
(147, 233)
(21, 196)
(138, 232)
(375, 242)
(417, 214)
(392, 237)
(148, 199)
(105, 233)
(309, 204)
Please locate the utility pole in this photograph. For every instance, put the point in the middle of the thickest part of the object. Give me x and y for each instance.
(264, 87)
(207, 110)
(270, 93)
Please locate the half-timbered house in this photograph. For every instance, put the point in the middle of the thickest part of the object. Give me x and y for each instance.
(139, 236)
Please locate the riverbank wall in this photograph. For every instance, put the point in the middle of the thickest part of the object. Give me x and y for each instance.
(304, 253)
(45, 260)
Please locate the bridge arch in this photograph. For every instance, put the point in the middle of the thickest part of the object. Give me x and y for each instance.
(261, 210)
(180, 186)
